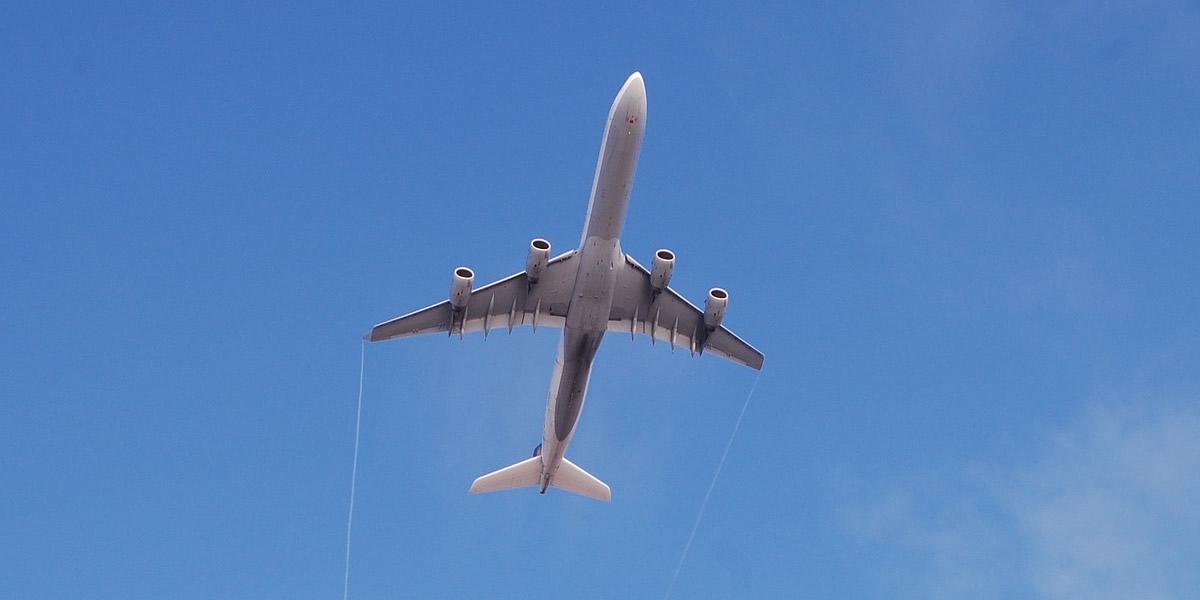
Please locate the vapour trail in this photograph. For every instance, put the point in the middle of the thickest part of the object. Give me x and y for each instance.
(711, 485)
(354, 469)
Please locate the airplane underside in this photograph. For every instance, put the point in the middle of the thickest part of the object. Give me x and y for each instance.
(587, 292)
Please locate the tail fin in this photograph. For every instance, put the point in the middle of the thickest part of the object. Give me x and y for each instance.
(573, 479)
(529, 472)
(522, 474)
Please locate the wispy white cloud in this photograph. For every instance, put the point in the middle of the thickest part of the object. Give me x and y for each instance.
(1108, 508)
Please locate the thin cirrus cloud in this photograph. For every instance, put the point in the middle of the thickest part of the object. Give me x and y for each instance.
(1106, 508)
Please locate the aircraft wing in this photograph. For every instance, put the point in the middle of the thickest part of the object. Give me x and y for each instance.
(507, 303)
(669, 317)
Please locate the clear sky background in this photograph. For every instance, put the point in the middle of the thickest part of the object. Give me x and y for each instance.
(964, 234)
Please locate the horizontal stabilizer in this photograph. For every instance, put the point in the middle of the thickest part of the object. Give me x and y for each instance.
(573, 479)
(522, 474)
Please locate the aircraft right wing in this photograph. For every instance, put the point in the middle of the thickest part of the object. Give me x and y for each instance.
(505, 303)
(669, 317)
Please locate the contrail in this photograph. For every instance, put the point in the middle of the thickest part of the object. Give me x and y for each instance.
(711, 485)
(354, 470)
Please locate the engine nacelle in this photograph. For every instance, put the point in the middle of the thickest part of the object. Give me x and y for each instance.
(539, 255)
(714, 308)
(660, 271)
(460, 288)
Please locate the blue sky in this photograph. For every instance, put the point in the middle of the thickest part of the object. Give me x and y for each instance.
(963, 234)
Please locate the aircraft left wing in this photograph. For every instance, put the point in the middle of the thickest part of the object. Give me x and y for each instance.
(507, 303)
(669, 317)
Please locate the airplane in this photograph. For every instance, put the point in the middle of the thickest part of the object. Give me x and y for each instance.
(587, 292)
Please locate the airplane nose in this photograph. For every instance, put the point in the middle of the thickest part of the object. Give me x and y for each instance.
(635, 82)
(635, 88)
(633, 95)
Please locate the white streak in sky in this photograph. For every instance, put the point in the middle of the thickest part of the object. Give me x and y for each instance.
(354, 470)
(711, 485)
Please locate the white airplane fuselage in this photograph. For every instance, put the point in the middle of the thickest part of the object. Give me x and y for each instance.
(600, 255)
(584, 291)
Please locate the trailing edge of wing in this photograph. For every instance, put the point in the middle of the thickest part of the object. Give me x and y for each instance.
(669, 317)
(506, 304)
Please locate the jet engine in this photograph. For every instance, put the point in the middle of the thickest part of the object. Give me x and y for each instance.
(460, 288)
(660, 271)
(539, 255)
(714, 308)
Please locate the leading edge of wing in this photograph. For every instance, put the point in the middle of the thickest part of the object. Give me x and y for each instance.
(507, 302)
(682, 324)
